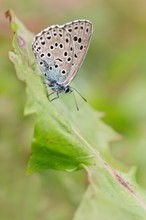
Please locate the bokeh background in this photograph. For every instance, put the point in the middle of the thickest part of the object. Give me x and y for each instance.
(112, 78)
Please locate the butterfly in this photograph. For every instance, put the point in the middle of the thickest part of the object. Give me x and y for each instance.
(59, 51)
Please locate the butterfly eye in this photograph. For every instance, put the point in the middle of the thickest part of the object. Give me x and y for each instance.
(67, 90)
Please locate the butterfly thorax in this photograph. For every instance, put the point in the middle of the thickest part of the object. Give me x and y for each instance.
(59, 88)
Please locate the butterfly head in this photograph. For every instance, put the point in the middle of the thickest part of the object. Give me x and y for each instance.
(67, 89)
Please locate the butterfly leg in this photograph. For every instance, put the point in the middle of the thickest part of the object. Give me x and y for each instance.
(45, 82)
(54, 97)
(50, 95)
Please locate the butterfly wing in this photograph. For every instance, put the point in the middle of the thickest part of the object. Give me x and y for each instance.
(53, 50)
(80, 32)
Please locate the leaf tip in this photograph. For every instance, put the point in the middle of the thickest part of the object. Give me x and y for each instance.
(9, 14)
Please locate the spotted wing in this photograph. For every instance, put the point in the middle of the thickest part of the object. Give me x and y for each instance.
(53, 50)
(80, 32)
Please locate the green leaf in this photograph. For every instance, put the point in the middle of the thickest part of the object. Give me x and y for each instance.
(109, 197)
(65, 139)
(59, 127)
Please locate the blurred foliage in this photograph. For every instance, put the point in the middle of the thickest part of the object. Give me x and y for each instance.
(113, 80)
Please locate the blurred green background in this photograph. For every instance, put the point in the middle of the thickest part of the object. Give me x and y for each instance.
(112, 78)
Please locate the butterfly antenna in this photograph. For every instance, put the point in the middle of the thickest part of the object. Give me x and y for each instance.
(75, 102)
(79, 94)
